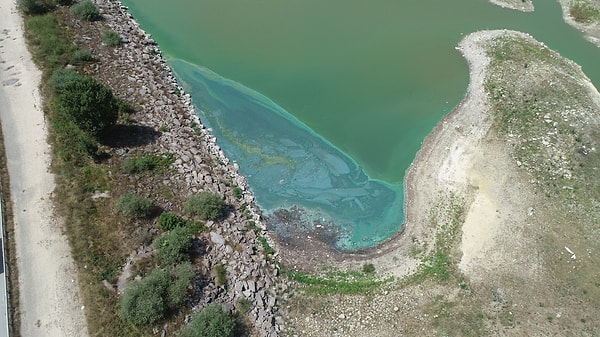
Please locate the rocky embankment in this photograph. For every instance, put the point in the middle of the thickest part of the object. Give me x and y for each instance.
(138, 73)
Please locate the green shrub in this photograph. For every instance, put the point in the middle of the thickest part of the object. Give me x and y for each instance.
(197, 226)
(172, 247)
(133, 206)
(86, 10)
(237, 192)
(143, 301)
(34, 6)
(182, 275)
(111, 38)
(212, 321)
(90, 104)
(82, 55)
(147, 163)
(218, 272)
(368, 268)
(169, 220)
(52, 44)
(206, 205)
(72, 144)
(150, 299)
(64, 2)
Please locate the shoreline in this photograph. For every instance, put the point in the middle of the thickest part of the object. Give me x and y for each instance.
(591, 32)
(383, 246)
(434, 172)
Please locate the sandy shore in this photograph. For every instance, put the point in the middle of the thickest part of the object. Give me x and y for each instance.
(49, 302)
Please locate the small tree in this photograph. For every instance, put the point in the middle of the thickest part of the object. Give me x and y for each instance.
(86, 10)
(212, 321)
(169, 220)
(172, 247)
(89, 104)
(133, 205)
(206, 205)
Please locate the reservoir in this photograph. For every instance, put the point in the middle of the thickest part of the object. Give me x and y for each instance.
(324, 104)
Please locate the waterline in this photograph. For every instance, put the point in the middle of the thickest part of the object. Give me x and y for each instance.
(294, 173)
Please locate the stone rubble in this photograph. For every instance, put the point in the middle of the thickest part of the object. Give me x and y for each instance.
(139, 74)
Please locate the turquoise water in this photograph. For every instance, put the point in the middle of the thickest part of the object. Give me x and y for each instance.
(324, 104)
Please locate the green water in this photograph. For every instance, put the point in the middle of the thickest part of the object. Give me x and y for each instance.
(324, 104)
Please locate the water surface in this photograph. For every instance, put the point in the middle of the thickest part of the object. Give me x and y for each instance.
(324, 104)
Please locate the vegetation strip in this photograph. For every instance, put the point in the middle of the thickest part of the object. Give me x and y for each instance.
(8, 246)
(94, 178)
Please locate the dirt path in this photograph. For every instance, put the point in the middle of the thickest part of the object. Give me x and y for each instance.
(49, 300)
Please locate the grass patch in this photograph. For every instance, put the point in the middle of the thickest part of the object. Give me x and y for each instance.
(237, 192)
(49, 40)
(147, 162)
(82, 56)
(111, 38)
(244, 305)
(86, 10)
(132, 205)
(100, 238)
(218, 272)
(34, 7)
(584, 11)
(368, 268)
(440, 265)
(266, 247)
(337, 282)
(205, 205)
